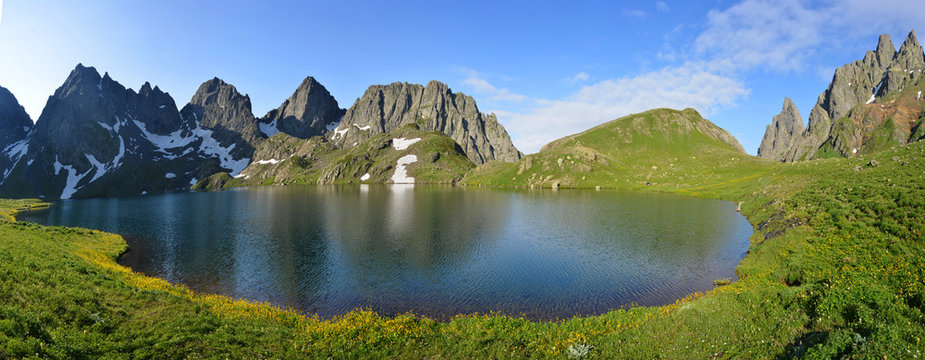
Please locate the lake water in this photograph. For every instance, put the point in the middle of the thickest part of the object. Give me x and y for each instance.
(432, 250)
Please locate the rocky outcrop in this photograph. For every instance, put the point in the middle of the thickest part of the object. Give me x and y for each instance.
(843, 123)
(308, 112)
(219, 107)
(384, 108)
(780, 135)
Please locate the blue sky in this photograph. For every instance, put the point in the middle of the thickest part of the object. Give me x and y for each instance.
(548, 69)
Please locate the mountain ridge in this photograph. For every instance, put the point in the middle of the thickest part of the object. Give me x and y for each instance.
(96, 137)
(870, 104)
(434, 106)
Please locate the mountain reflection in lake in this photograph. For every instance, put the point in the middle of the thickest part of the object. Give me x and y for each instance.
(432, 250)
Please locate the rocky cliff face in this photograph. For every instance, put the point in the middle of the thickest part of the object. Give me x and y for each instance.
(308, 112)
(870, 103)
(15, 127)
(220, 108)
(97, 138)
(384, 108)
(778, 137)
(15, 124)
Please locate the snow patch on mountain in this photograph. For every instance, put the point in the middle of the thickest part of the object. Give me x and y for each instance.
(14, 152)
(402, 143)
(269, 129)
(340, 133)
(333, 125)
(211, 147)
(73, 178)
(164, 142)
(401, 173)
(99, 168)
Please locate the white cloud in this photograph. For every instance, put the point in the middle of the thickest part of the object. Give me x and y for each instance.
(661, 6)
(481, 86)
(688, 85)
(478, 83)
(579, 77)
(1, 11)
(784, 35)
(634, 13)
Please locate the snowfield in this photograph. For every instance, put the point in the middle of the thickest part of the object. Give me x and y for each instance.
(401, 173)
(402, 143)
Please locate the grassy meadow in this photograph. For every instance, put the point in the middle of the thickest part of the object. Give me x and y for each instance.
(836, 268)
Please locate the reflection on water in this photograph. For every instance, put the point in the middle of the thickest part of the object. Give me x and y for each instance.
(431, 250)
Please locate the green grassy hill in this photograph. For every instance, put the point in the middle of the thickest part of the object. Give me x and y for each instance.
(661, 149)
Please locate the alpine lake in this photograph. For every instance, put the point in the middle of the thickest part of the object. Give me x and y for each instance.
(436, 251)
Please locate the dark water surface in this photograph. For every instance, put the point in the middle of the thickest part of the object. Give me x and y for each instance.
(433, 250)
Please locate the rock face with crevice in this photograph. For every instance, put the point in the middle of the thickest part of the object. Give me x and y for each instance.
(384, 108)
(870, 104)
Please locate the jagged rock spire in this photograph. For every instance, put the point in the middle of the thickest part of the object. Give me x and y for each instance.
(910, 56)
(780, 135)
(885, 50)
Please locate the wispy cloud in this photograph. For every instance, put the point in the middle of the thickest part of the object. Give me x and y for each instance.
(639, 14)
(783, 35)
(481, 86)
(579, 77)
(661, 6)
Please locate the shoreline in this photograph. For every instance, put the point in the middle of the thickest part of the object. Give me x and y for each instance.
(127, 248)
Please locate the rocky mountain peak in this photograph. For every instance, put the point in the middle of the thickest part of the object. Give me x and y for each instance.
(82, 78)
(910, 56)
(911, 40)
(780, 135)
(384, 108)
(885, 50)
(306, 113)
(885, 45)
(219, 107)
(843, 120)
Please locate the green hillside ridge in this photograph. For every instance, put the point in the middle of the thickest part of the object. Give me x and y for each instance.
(289, 161)
(836, 268)
(660, 149)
